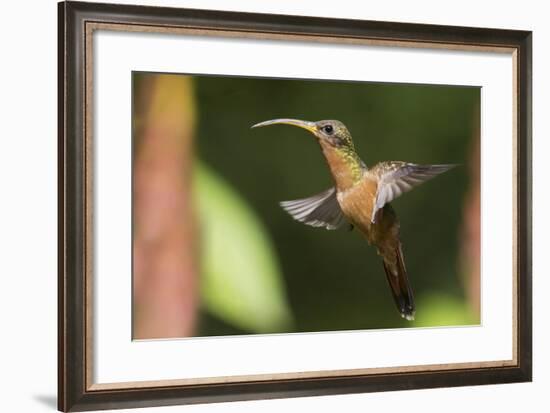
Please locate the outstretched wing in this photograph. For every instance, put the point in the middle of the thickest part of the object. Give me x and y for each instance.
(321, 210)
(396, 178)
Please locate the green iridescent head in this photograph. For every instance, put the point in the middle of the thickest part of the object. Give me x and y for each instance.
(333, 132)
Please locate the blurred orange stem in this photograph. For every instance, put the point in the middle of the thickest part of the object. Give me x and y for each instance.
(165, 266)
(471, 233)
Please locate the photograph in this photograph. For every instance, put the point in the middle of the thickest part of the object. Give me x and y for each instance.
(277, 206)
(255, 205)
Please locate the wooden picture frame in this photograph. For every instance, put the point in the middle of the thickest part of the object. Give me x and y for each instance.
(77, 21)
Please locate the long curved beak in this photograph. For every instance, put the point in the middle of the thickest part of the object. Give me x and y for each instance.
(304, 124)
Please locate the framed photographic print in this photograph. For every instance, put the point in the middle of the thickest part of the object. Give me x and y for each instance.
(263, 206)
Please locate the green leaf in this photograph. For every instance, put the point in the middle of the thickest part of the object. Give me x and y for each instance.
(435, 309)
(241, 281)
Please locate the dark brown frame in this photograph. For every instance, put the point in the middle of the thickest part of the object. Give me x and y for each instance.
(74, 391)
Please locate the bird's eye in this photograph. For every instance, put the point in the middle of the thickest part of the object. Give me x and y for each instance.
(328, 129)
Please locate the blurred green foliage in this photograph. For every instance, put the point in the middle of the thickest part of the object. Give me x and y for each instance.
(240, 280)
(333, 279)
(440, 309)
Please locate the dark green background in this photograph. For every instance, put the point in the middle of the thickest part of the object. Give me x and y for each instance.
(334, 279)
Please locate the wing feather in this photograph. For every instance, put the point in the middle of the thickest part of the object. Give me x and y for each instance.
(320, 210)
(396, 178)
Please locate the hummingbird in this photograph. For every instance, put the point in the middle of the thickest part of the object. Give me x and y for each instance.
(360, 198)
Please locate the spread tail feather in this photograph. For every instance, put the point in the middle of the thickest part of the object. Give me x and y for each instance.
(398, 280)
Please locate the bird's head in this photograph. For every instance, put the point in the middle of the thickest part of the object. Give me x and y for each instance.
(328, 132)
